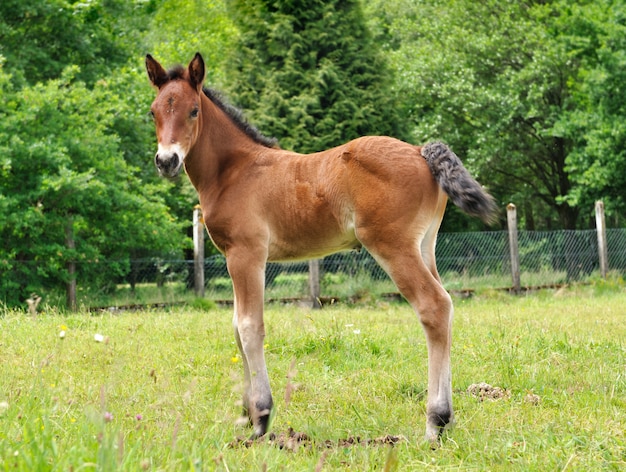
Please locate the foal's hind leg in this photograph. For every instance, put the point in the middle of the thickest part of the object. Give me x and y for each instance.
(421, 287)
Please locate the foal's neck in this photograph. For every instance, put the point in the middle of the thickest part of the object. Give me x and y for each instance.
(219, 147)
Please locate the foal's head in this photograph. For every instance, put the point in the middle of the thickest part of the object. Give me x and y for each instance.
(176, 111)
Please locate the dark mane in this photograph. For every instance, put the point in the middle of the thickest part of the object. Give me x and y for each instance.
(176, 73)
(237, 117)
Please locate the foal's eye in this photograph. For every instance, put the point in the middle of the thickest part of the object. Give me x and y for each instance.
(194, 113)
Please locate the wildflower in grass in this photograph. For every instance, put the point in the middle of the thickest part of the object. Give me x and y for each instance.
(108, 417)
(98, 338)
(63, 331)
(234, 359)
(139, 417)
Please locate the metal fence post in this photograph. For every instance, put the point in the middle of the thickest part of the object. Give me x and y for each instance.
(602, 246)
(198, 251)
(511, 216)
(314, 283)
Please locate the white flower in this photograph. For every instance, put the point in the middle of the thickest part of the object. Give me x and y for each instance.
(98, 338)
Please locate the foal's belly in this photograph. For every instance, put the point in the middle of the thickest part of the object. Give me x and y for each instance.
(308, 246)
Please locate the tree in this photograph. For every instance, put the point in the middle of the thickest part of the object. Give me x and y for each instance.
(179, 29)
(597, 32)
(309, 73)
(63, 176)
(505, 84)
(39, 38)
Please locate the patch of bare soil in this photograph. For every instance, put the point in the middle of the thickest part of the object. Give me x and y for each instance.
(292, 440)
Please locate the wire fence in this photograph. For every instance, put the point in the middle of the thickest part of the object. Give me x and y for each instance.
(466, 262)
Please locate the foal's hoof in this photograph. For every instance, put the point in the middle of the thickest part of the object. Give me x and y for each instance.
(433, 439)
(261, 424)
(433, 436)
(260, 420)
(435, 427)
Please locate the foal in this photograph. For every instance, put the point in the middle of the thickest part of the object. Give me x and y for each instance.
(261, 203)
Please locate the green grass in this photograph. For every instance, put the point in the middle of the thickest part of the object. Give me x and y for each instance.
(462, 281)
(360, 285)
(162, 391)
(123, 295)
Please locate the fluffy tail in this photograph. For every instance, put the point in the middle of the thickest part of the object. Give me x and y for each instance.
(458, 184)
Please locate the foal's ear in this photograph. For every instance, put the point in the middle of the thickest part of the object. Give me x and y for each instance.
(156, 73)
(196, 71)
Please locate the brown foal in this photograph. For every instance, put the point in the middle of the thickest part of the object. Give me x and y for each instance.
(261, 203)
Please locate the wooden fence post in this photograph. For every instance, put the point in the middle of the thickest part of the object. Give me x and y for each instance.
(602, 246)
(314, 283)
(198, 251)
(70, 291)
(511, 216)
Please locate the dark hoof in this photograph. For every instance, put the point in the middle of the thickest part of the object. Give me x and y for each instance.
(436, 425)
(261, 425)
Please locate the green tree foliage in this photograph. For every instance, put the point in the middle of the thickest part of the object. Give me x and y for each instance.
(39, 38)
(309, 72)
(179, 29)
(515, 87)
(62, 170)
(595, 32)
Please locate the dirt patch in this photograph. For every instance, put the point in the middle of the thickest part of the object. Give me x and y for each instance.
(484, 391)
(292, 440)
(388, 439)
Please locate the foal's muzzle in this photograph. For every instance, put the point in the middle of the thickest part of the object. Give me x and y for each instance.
(168, 163)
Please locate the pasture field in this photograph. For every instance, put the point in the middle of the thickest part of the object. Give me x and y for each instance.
(159, 390)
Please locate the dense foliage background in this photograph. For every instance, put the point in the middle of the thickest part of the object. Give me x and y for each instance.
(530, 94)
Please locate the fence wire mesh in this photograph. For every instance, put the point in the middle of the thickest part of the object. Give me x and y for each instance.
(466, 261)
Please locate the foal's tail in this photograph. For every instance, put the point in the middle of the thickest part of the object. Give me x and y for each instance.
(458, 184)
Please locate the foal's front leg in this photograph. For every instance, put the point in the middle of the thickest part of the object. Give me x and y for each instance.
(248, 283)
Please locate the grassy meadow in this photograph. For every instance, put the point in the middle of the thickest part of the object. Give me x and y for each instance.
(159, 390)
